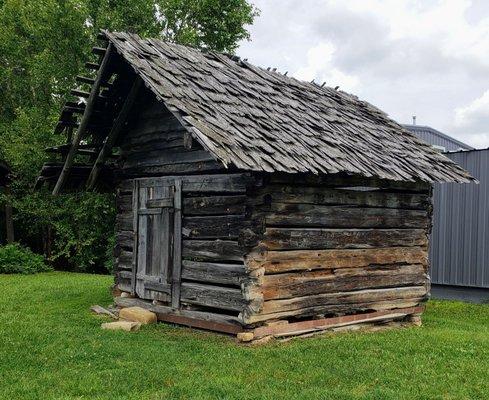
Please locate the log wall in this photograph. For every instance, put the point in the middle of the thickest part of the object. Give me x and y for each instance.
(325, 248)
(214, 207)
(260, 248)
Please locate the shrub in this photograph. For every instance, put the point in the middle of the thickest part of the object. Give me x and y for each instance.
(15, 259)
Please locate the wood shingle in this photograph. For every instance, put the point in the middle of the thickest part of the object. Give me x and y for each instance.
(260, 120)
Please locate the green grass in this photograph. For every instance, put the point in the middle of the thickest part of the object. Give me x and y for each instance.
(52, 347)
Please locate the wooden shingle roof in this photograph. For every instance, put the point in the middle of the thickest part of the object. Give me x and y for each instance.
(260, 120)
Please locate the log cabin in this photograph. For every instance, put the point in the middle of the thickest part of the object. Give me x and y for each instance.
(250, 202)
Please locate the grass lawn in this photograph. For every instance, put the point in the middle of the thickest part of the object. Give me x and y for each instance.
(52, 347)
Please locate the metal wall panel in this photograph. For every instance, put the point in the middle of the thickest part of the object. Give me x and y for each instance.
(459, 250)
(437, 138)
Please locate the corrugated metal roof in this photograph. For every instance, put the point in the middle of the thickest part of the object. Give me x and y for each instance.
(437, 138)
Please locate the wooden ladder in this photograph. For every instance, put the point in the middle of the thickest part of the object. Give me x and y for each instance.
(71, 110)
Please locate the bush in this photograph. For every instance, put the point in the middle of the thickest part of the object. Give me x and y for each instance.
(15, 259)
(75, 231)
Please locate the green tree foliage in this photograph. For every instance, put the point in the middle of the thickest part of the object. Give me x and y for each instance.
(15, 259)
(43, 46)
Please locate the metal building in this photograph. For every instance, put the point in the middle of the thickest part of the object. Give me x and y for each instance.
(437, 139)
(459, 252)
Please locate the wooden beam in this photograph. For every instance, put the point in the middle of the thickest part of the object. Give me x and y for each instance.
(86, 150)
(74, 104)
(91, 65)
(177, 247)
(197, 319)
(82, 93)
(98, 50)
(84, 79)
(79, 93)
(135, 227)
(114, 132)
(73, 110)
(90, 81)
(83, 124)
(298, 328)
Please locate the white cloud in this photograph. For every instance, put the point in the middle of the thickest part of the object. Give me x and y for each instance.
(474, 117)
(319, 66)
(408, 57)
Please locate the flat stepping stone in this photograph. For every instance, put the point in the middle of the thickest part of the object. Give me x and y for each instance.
(138, 314)
(128, 326)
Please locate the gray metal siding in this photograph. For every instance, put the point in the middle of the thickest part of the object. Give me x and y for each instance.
(459, 250)
(438, 141)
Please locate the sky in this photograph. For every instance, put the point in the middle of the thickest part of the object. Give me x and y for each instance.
(428, 58)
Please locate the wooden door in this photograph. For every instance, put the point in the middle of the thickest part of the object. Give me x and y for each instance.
(156, 262)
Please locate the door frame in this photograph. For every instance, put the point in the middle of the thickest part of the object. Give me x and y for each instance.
(175, 266)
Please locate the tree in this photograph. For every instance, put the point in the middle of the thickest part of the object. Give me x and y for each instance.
(43, 46)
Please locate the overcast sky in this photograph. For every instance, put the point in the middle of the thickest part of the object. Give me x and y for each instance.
(428, 58)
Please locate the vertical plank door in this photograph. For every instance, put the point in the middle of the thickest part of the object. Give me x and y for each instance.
(154, 231)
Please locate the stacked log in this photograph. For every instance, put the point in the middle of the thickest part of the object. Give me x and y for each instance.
(332, 250)
(213, 271)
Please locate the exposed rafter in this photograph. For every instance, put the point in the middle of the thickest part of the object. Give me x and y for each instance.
(114, 132)
(84, 122)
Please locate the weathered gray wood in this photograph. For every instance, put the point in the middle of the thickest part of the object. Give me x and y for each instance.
(212, 250)
(160, 309)
(114, 133)
(172, 169)
(134, 144)
(84, 79)
(142, 245)
(315, 238)
(212, 296)
(275, 262)
(154, 228)
(125, 239)
(170, 157)
(320, 325)
(124, 222)
(99, 50)
(311, 215)
(187, 140)
(177, 246)
(157, 244)
(328, 196)
(124, 203)
(135, 258)
(155, 123)
(149, 211)
(225, 183)
(216, 273)
(341, 302)
(79, 93)
(166, 235)
(160, 202)
(92, 65)
(348, 181)
(83, 123)
(125, 256)
(213, 227)
(158, 287)
(282, 286)
(214, 205)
